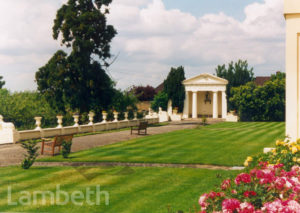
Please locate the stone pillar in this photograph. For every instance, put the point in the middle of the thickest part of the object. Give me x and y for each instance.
(224, 105)
(186, 105)
(195, 105)
(215, 104)
(292, 60)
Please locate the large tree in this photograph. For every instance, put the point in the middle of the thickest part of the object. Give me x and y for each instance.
(1, 82)
(174, 88)
(78, 80)
(237, 74)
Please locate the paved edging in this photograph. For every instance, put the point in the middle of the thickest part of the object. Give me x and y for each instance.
(126, 164)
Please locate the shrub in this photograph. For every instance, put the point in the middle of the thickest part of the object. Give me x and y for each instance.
(260, 103)
(270, 183)
(66, 148)
(160, 100)
(31, 149)
(267, 188)
(286, 153)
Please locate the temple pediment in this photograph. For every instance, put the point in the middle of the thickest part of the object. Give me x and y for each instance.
(205, 79)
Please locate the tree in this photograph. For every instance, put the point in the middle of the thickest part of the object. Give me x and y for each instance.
(174, 88)
(237, 74)
(160, 100)
(79, 80)
(123, 100)
(261, 103)
(144, 93)
(2, 83)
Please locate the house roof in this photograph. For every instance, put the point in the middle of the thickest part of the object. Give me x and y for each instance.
(205, 79)
(261, 80)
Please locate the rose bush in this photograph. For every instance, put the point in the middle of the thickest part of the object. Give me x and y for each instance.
(267, 188)
(270, 183)
(287, 153)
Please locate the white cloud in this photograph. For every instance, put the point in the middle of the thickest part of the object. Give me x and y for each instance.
(151, 35)
(150, 40)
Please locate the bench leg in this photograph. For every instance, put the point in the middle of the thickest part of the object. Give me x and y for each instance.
(42, 148)
(53, 148)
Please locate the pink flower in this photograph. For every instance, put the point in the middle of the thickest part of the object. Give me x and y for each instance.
(202, 201)
(226, 184)
(230, 205)
(249, 193)
(243, 177)
(279, 183)
(246, 208)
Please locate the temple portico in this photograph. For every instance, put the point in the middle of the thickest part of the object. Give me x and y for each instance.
(205, 96)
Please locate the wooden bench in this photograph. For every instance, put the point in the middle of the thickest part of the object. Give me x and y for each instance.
(140, 127)
(57, 142)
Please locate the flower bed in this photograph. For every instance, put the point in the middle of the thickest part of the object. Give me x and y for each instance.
(270, 183)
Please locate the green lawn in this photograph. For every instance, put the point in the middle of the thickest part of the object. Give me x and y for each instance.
(220, 144)
(142, 190)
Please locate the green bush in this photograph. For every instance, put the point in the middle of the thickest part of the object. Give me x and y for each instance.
(260, 103)
(160, 100)
(31, 149)
(20, 108)
(287, 153)
(66, 148)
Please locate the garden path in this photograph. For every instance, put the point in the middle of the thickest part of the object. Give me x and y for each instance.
(13, 154)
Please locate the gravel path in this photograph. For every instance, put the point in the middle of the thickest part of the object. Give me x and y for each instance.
(12, 154)
(122, 164)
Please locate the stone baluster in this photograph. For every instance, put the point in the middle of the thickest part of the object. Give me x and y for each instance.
(38, 122)
(104, 116)
(91, 118)
(126, 116)
(135, 116)
(115, 116)
(76, 120)
(59, 121)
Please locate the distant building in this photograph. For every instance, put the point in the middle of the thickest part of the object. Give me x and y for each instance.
(261, 80)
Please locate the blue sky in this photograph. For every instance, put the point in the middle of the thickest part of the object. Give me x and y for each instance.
(153, 36)
(234, 8)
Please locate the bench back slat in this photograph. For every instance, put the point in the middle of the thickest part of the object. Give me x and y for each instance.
(143, 125)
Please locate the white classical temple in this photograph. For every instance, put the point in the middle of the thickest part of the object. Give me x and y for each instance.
(292, 17)
(205, 96)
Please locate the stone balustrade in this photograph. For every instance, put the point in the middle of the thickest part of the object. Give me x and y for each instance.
(8, 133)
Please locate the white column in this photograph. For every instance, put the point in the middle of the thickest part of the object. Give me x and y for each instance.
(224, 105)
(195, 105)
(186, 105)
(215, 104)
(292, 61)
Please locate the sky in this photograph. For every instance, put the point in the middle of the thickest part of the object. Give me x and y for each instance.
(153, 36)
